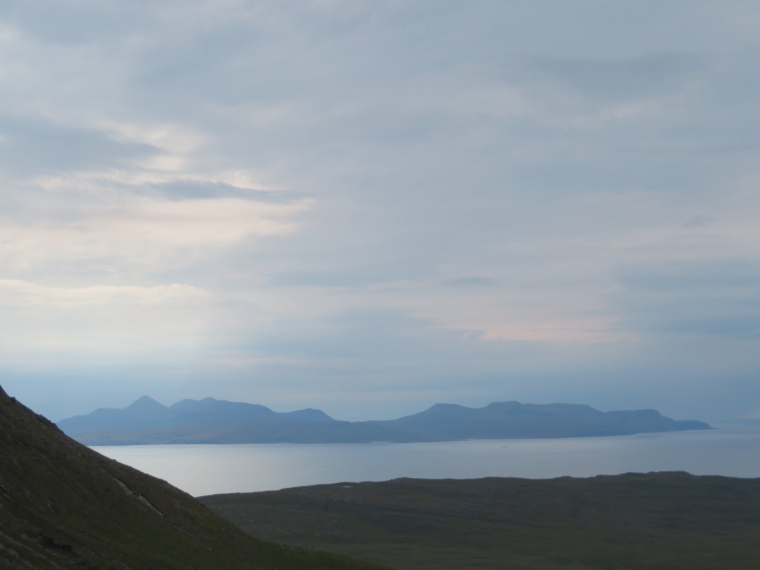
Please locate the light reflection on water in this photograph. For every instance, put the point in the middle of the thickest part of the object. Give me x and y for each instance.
(211, 469)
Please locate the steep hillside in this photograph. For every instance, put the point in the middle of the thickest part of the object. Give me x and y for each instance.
(64, 506)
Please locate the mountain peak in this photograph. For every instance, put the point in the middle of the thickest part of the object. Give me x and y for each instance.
(146, 402)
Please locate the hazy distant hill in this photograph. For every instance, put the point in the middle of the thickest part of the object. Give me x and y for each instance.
(654, 521)
(147, 414)
(516, 420)
(63, 506)
(214, 421)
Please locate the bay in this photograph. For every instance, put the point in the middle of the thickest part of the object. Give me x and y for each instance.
(210, 469)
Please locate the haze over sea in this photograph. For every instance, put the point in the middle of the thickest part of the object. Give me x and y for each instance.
(730, 450)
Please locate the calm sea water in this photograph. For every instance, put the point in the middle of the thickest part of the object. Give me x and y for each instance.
(210, 469)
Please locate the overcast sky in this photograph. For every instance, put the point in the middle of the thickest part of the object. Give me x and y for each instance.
(370, 206)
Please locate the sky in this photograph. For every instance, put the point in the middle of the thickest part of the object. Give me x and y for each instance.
(371, 206)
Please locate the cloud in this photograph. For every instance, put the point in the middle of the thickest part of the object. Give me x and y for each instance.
(715, 299)
(46, 326)
(92, 221)
(33, 146)
(17, 293)
(471, 281)
(620, 80)
(406, 201)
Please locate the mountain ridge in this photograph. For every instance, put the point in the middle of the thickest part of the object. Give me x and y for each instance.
(220, 421)
(145, 413)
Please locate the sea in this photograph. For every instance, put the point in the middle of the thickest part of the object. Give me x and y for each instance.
(730, 450)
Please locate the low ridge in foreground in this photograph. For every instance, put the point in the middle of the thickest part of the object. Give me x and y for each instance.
(64, 506)
(654, 521)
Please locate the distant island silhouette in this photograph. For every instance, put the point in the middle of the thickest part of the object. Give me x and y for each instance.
(146, 421)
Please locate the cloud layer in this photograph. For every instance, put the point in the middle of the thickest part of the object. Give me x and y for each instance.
(370, 207)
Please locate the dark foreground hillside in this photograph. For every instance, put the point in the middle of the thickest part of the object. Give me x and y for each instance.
(65, 506)
(662, 521)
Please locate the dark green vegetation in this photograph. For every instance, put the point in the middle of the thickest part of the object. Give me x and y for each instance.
(663, 521)
(214, 421)
(64, 506)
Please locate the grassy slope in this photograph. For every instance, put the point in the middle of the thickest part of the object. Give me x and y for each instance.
(65, 506)
(665, 521)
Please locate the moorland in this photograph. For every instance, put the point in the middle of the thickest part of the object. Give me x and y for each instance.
(652, 521)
